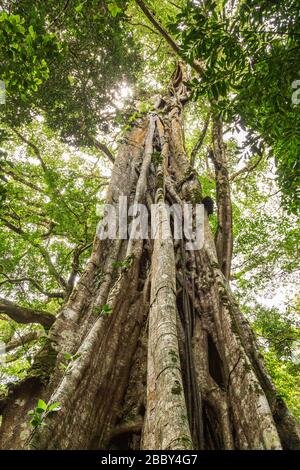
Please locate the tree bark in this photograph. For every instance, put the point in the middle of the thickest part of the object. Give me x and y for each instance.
(21, 340)
(170, 363)
(224, 241)
(25, 315)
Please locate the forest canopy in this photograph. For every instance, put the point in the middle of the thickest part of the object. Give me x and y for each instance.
(79, 78)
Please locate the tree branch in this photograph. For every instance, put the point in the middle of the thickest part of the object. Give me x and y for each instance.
(195, 64)
(247, 168)
(41, 249)
(103, 148)
(45, 169)
(60, 13)
(126, 428)
(98, 145)
(34, 148)
(22, 340)
(50, 295)
(75, 266)
(200, 141)
(25, 314)
(157, 25)
(143, 25)
(175, 5)
(23, 181)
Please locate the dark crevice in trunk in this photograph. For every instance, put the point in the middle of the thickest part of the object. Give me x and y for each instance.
(144, 265)
(215, 363)
(127, 431)
(212, 428)
(192, 392)
(125, 441)
(232, 428)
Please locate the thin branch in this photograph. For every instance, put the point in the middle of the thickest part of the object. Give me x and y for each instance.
(45, 169)
(103, 148)
(33, 146)
(158, 26)
(246, 169)
(20, 179)
(12, 227)
(60, 13)
(98, 145)
(195, 64)
(41, 249)
(154, 51)
(200, 141)
(143, 25)
(22, 340)
(175, 5)
(50, 295)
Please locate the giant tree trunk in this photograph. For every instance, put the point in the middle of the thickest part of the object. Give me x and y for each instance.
(173, 364)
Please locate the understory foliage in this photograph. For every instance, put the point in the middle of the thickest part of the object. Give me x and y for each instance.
(79, 76)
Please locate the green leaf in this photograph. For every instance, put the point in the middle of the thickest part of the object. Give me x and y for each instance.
(114, 9)
(97, 310)
(79, 7)
(68, 356)
(71, 79)
(41, 405)
(54, 407)
(106, 309)
(32, 32)
(35, 422)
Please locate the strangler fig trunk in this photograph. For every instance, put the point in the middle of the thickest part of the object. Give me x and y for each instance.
(163, 358)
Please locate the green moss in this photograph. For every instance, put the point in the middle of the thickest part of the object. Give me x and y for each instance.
(174, 356)
(159, 180)
(189, 174)
(216, 265)
(157, 158)
(258, 389)
(186, 442)
(3, 392)
(97, 310)
(176, 389)
(247, 367)
(98, 279)
(196, 196)
(130, 416)
(184, 418)
(234, 326)
(44, 362)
